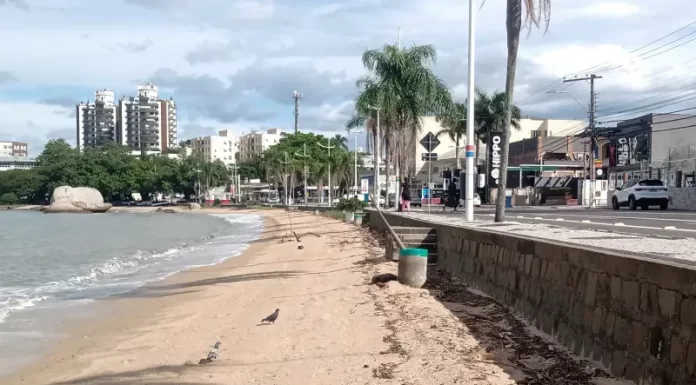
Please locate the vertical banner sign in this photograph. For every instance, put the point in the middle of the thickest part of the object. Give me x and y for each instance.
(364, 185)
(494, 161)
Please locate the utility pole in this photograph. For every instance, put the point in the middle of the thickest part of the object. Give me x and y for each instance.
(297, 96)
(198, 172)
(328, 147)
(592, 131)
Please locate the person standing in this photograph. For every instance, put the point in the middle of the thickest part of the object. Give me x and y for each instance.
(406, 196)
(452, 197)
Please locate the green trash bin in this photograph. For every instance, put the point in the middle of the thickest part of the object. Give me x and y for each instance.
(413, 267)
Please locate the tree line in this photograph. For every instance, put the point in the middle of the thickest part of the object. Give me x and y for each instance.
(110, 169)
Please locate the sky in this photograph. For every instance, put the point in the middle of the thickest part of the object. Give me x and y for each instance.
(234, 64)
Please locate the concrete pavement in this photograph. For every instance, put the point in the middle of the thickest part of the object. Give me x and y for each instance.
(656, 223)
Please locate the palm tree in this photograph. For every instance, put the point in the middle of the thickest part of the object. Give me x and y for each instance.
(490, 116)
(453, 122)
(404, 87)
(341, 142)
(536, 11)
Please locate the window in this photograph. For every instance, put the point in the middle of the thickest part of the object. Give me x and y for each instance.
(651, 183)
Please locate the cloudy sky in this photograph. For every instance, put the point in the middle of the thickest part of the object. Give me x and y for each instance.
(235, 63)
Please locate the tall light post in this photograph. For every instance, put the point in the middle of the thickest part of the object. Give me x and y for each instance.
(328, 147)
(376, 156)
(303, 156)
(470, 145)
(355, 171)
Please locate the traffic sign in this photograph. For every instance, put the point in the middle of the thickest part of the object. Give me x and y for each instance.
(430, 142)
(429, 157)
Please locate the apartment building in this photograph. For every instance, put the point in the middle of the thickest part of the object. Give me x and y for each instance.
(145, 122)
(96, 121)
(255, 143)
(17, 149)
(216, 147)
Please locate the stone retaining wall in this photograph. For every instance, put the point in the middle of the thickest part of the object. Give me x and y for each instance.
(634, 315)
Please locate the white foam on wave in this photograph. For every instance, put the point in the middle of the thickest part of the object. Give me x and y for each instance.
(213, 249)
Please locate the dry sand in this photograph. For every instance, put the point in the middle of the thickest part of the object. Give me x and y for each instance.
(334, 327)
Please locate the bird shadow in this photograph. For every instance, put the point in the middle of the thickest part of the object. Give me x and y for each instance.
(158, 375)
(263, 324)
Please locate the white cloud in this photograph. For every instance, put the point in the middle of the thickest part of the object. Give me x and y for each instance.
(611, 9)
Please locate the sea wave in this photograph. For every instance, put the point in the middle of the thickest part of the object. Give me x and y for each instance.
(140, 267)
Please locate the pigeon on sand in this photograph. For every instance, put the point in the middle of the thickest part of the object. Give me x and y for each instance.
(212, 354)
(271, 318)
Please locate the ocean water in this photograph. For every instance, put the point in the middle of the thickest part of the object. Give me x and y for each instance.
(60, 261)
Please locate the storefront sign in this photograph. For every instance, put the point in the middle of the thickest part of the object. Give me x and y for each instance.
(494, 161)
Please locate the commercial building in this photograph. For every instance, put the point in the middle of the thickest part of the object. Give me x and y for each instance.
(16, 163)
(96, 121)
(17, 149)
(145, 122)
(216, 147)
(255, 143)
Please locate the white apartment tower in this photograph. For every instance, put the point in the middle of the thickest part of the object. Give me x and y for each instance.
(255, 143)
(96, 122)
(147, 123)
(216, 147)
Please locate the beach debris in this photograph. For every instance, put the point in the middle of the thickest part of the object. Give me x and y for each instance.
(382, 279)
(271, 318)
(212, 354)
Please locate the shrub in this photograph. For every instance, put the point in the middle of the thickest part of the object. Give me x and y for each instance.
(351, 204)
(8, 199)
(216, 202)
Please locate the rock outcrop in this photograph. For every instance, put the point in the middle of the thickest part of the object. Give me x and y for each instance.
(66, 199)
(194, 206)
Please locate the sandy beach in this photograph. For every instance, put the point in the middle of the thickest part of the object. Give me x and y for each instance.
(334, 327)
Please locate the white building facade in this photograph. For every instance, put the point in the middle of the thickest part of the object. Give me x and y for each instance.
(16, 149)
(146, 123)
(216, 147)
(96, 121)
(255, 143)
(8, 163)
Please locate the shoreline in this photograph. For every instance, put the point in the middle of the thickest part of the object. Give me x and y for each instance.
(94, 312)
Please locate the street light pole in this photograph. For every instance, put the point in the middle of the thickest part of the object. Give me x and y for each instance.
(328, 147)
(377, 191)
(355, 171)
(304, 170)
(470, 146)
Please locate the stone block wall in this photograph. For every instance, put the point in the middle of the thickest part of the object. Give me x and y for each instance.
(634, 315)
(683, 198)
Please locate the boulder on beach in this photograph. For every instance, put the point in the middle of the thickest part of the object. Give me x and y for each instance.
(194, 206)
(66, 199)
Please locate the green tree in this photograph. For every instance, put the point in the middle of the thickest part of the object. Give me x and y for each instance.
(453, 121)
(404, 87)
(535, 12)
(341, 141)
(8, 199)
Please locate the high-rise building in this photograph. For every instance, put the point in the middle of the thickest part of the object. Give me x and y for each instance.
(96, 122)
(18, 149)
(255, 143)
(146, 123)
(216, 147)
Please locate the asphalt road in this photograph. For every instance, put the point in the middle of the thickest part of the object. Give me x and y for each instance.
(657, 223)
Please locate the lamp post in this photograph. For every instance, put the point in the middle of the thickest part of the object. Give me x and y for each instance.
(376, 156)
(329, 147)
(304, 170)
(355, 171)
(470, 145)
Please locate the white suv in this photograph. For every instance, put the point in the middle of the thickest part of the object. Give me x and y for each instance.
(641, 193)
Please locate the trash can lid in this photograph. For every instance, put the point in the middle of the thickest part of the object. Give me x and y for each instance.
(413, 252)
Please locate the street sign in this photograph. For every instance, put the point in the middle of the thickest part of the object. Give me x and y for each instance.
(364, 185)
(428, 157)
(430, 142)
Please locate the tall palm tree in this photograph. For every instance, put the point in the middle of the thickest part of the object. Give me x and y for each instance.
(404, 87)
(535, 12)
(453, 122)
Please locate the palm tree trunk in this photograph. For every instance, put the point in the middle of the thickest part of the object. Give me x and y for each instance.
(513, 25)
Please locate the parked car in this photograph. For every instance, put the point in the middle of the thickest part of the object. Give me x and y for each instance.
(416, 198)
(477, 201)
(641, 193)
